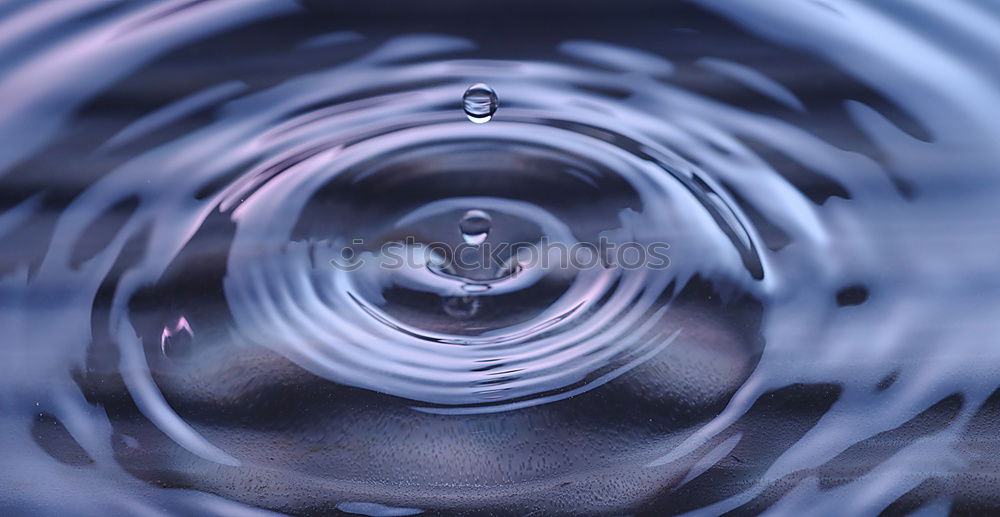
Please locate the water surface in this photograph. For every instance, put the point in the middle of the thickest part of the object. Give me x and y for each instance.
(204, 204)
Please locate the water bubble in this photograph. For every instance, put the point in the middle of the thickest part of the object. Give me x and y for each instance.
(475, 226)
(480, 103)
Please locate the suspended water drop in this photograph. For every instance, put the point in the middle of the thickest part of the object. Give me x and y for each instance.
(475, 227)
(480, 103)
(177, 340)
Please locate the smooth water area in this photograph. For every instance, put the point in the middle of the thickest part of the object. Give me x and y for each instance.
(268, 256)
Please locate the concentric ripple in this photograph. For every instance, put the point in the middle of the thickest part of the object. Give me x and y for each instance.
(255, 285)
(575, 329)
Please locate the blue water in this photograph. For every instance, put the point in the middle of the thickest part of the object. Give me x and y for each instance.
(242, 245)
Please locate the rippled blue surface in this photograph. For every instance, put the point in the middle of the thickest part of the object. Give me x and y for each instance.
(180, 178)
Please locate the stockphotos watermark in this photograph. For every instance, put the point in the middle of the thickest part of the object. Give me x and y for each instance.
(410, 254)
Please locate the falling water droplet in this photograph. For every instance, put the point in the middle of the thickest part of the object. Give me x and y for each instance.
(475, 227)
(480, 103)
(177, 340)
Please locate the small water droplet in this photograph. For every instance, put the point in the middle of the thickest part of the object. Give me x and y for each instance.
(475, 227)
(480, 103)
